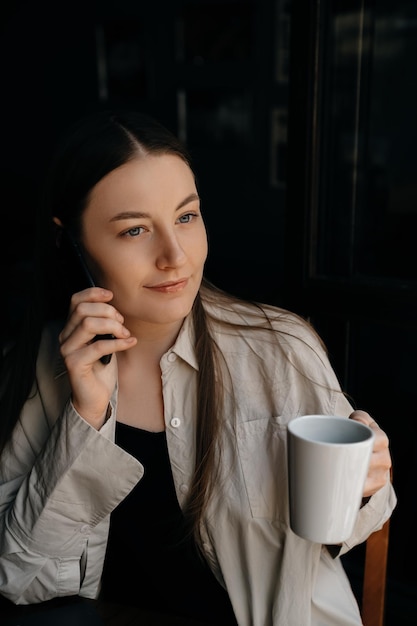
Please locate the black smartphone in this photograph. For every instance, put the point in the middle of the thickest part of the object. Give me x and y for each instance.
(86, 279)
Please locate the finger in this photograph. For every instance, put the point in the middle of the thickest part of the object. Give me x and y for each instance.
(92, 294)
(78, 299)
(103, 347)
(381, 440)
(83, 358)
(378, 475)
(89, 310)
(380, 462)
(85, 332)
(364, 418)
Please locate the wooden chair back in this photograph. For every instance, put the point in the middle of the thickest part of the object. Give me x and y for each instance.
(375, 577)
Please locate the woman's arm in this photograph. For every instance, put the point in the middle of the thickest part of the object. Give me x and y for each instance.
(57, 482)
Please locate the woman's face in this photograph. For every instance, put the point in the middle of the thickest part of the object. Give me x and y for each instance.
(145, 238)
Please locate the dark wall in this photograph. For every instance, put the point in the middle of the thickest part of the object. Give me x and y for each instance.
(214, 57)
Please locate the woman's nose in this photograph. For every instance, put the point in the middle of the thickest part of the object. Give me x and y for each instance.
(170, 253)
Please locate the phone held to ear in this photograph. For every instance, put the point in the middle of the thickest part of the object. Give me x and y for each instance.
(88, 279)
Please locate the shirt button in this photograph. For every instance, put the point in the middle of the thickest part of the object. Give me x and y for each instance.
(172, 357)
(84, 528)
(175, 422)
(184, 488)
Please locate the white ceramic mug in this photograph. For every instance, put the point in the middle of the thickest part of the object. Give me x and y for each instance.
(328, 461)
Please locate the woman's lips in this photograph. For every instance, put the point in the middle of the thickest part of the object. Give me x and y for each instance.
(169, 287)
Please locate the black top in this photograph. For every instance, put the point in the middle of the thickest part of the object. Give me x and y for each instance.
(151, 561)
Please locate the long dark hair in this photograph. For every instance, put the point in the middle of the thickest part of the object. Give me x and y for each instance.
(92, 148)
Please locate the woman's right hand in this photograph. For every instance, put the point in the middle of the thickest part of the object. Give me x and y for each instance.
(92, 383)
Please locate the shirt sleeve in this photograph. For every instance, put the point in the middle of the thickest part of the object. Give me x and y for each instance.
(51, 499)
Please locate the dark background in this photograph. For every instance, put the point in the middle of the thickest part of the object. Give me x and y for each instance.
(301, 120)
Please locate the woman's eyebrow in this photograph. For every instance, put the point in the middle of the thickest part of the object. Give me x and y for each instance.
(191, 198)
(127, 215)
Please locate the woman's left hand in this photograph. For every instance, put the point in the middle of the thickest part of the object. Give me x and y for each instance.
(380, 464)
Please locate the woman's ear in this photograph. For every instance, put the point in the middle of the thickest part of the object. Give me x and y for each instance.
(59, 230)
(58, 221)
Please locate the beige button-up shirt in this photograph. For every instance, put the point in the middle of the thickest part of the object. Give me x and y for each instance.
(61, 480)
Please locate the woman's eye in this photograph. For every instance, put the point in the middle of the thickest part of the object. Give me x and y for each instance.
(188, 217)
(134, 231)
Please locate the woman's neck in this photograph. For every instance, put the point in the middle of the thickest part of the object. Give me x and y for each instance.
(154, 340)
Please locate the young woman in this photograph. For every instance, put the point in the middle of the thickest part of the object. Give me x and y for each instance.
(158, 477)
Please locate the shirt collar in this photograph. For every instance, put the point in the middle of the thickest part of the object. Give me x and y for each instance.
(185, 342)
